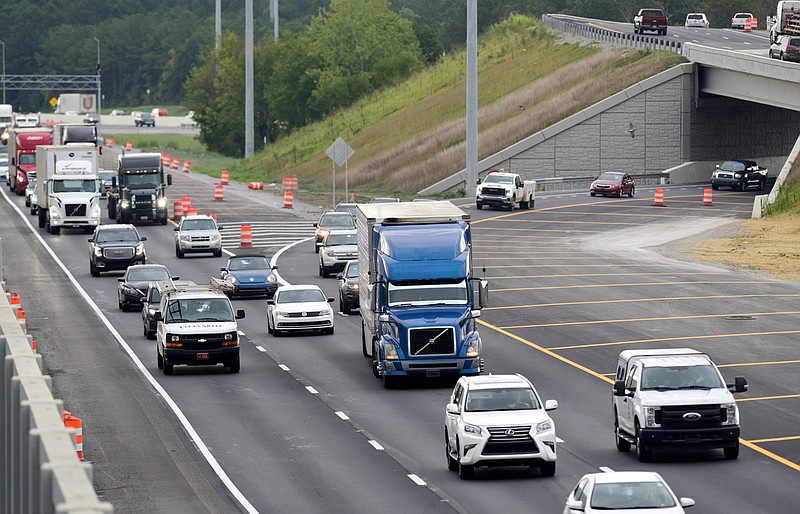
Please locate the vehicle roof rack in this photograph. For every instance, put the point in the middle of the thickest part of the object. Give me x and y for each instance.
(216, 286)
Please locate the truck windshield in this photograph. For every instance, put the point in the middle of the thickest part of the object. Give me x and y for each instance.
(670, 378)
(199, 309)
(144, 181)
(493, 178)
(427, 294)
(27, 158)
(74, 186)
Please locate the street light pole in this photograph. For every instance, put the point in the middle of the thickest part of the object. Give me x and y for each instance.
(98, 80)
(4, 70)
(472, 96)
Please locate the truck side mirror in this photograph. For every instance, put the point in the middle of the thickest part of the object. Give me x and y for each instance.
(176, 229)
(739, 385)
(483, 293)
(478, 181)
(271, 301)
(143, 239)
(452, 408)
(240, 314)
(169, 179)
(223, 269)
(550, 404)
(383, 318)
(619, 388)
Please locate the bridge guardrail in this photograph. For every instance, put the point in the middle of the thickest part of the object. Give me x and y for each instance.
(41, 471)
(583, 183)
(571, 25)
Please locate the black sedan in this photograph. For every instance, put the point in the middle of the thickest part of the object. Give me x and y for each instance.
(348, 287)
(133, 286)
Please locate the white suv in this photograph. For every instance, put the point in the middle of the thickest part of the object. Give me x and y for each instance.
(498, 420)
(198, 234)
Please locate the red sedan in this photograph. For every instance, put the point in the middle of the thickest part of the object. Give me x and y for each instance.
(613, 183)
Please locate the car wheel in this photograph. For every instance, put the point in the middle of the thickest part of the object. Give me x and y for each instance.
(783, 57)
(621, 192)
(642, 453)
(592, 193)
(168, 368)
(762, 185)
(27, 202)
(236, 366)
(159, 360)
(93, 270)
(329, 331)
(178, 253)
(512, 206)
(144, 331)
(218, 254)
(547, 469)
(120, 304)
(452, 464)
(622, 444)
(714, 187)
(465, 472)
(375, 362)
(316, 248)
(389, 381)
(479, 205)
(151, 335)
(633, 191)
(269, 327)
(320, 270)
(732, 453)
(276, 332)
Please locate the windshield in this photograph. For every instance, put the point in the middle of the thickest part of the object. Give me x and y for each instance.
(147, 274)
(340, 239)
(352, 271)
(104, 236)
(106, 175)
(27, 158)
(610, 176)
(246, 263)
(154, 297)
(482, 400)
(336, 220)
(351, 208)
(732, 166)
(631, 495)
(74, 186)
(200, 309)
(300, 296)
(494, 178)
(199, 224)
(149, 180)
(428, 294)
(680, 377)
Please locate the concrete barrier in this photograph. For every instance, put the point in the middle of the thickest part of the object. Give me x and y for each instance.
(41, 471)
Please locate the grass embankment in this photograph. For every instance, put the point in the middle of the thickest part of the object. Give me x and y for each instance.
(412, 135)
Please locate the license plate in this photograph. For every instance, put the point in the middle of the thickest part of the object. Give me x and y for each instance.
(202, 356)
(432, 373)
(142, 217)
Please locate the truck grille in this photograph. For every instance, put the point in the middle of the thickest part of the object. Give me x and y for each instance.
(200, 239)
(727, 176)
(511, 439)
(432, 341)
(493, 191)
(202, 341)
(75, 209)
(118, 253)
(672, 417)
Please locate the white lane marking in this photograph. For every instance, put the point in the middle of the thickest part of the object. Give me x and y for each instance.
(274, 261)
(284, 367)
(340, 313)
(606, 470)
(559, 440)
(342, 415)
(725, 37)
(190, 430)
(417, 480)
(240, 332)
(228, 252)
(748, 43)
(376, 445)
(311, 390)
(261, 349)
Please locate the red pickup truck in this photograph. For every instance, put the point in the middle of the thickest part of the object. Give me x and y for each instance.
(650, 19)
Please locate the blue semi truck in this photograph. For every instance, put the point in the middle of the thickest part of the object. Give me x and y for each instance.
(417, 295)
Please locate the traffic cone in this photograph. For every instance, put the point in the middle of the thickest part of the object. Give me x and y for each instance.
(224, 178)
(288, 199)
(76, 424)
(219, 190)
(707, 197)
(658, 201)
(246, 237)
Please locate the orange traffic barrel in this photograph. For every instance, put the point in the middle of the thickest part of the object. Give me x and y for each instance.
(288, 199)
(707, 197)
(175, 163)
(246, 238)
(213, 216)
(165, 158)
(15, 300)
(128, 146)
(110, 142)
(177, 208)
(224, 178)
(187, 166)
(191, 211)
(658, 201)
(219, 190)
(255, 185)
(187, 202)
(75, 424)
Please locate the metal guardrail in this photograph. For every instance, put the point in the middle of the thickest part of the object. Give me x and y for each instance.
(580, 28)
(583, 183)
(41, 472)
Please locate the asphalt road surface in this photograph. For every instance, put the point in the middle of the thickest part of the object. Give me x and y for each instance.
(305, 427)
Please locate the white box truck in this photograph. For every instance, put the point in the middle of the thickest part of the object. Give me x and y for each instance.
(66, 187)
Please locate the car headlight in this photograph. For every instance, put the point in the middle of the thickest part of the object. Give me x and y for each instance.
(140, 249)
(472, 429)
(281, 314)
(737, 175)
(230, 336)
(152, 311)
(215, 237)
(327, 312)
(322, 234)
(272, 278)
(731, 417)
(124, 204)
(174, 338)
(390, 351)
(54, 214)
(544, 426)
(473, 351)
(98, 251)
(650, 416)
(330, 253)
(231, 279)
(129, 290)
(162, 202)
(185, 237)
(354, 287)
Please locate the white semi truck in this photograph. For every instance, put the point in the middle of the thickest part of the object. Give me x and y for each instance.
(66, 187)
(787, 20)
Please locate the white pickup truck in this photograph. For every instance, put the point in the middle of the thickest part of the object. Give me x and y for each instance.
(674, 400)
(505, 190)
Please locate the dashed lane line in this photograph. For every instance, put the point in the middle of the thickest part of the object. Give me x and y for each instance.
(417, 480)
(635, 320)
(375, 444)
(632, 300)
(681, 338)
(342, 415)
(635, 284)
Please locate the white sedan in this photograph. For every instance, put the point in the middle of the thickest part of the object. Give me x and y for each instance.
(632, 492)
(299, 307)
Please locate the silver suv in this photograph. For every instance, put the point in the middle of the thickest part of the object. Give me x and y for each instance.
(198, 234)
(338, 247)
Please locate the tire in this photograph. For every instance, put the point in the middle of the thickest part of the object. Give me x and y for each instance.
(168, 368)
(159, 360)
(452, 464)
(732, 453)
(375, 362)
(714, 187)
(762, 185)
(479, 205)
(633, 191)
(530, 202)
(622, 445)
(151, 335)
(329, 331)
(523, 205)
(164, 222)
(643, 454)
(276, 332)
(316, 248)
(218, 254)
(144, 330)
(178, 253)
(27, 202)
(621, 192)
(547, 469)
(321, 273)
(465, 472)
(364, 341)
(512, 206)
(33, 209)
(120, 304)
(592, 193)
(55, 230)
(93, 270)
(269, 327)
(236, 366)
(783, 57)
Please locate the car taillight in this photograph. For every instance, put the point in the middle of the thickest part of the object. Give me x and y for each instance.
(789, 48)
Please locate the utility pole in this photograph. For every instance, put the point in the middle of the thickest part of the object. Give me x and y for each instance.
(218, 24)
(249, 144)
(4, 70)
(98, 68)
(273, 15)
(472, 96)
